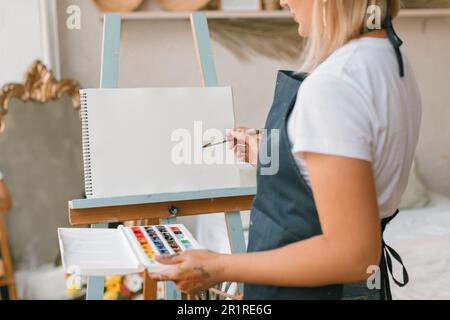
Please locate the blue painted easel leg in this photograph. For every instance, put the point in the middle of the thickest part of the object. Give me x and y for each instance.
(172, 293)
(203, 46)
(236, 235)
(109, 79)
(95, 288)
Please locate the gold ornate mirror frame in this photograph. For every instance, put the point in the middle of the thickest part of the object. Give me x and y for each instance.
(40, 86)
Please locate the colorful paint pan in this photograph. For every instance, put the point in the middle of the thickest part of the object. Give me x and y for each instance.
(169, 239)
(143, 242)
(187, 244)
(156, 240)
(163, 239)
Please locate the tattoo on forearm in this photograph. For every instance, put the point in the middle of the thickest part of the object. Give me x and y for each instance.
(202, 271)
(194, 273)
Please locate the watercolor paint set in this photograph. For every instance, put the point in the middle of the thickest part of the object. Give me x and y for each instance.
(101, 252)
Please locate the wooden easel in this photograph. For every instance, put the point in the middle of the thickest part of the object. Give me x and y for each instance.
(161, 208)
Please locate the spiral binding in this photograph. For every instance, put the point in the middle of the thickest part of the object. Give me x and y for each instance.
(86, 145)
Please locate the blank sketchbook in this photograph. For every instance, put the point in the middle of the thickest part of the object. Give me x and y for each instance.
(146, 141)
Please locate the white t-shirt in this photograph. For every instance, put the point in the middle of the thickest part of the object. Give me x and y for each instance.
(356, 105)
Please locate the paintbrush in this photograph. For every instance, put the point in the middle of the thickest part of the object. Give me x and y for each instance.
(250, 133)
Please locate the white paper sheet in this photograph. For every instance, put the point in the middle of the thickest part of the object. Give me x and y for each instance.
(134, 135)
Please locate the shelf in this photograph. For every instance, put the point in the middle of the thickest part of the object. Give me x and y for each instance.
(177, 15)
(174, 15)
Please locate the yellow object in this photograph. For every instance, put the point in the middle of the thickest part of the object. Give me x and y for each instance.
(112, 283)
(73, 292)
(110, 295)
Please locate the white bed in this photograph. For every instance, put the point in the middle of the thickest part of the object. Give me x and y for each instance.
(422, 238)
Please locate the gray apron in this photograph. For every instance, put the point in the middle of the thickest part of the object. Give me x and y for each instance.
(284, 211)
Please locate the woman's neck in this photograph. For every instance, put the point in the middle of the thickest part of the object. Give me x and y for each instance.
(375, 34)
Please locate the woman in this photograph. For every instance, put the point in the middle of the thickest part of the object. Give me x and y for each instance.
(347, 138)
(5, 198)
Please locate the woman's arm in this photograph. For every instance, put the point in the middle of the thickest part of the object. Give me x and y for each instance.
(5, 198)
(346, 201)
(345, 196)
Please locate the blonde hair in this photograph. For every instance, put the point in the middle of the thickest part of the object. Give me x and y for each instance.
(336, 22)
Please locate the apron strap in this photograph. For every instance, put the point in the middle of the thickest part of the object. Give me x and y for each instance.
(386, 268)
(387, 252)
(394, 38)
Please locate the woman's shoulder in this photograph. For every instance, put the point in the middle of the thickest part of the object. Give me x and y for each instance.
(355, 66)
(358, 58)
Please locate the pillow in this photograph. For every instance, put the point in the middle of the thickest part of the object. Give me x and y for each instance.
(416, 194)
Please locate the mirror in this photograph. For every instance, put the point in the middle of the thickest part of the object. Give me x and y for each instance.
(40, 156)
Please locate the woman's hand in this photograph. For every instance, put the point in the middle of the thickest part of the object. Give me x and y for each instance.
(192, 271)
(246, 147)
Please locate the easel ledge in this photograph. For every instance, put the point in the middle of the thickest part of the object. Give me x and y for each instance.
(159, 206)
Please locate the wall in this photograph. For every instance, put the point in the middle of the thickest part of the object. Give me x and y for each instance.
(427, 43)
(161, 53)
(24, 30)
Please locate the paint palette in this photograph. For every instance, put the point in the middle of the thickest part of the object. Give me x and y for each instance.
(163, 239)
(123, 250)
